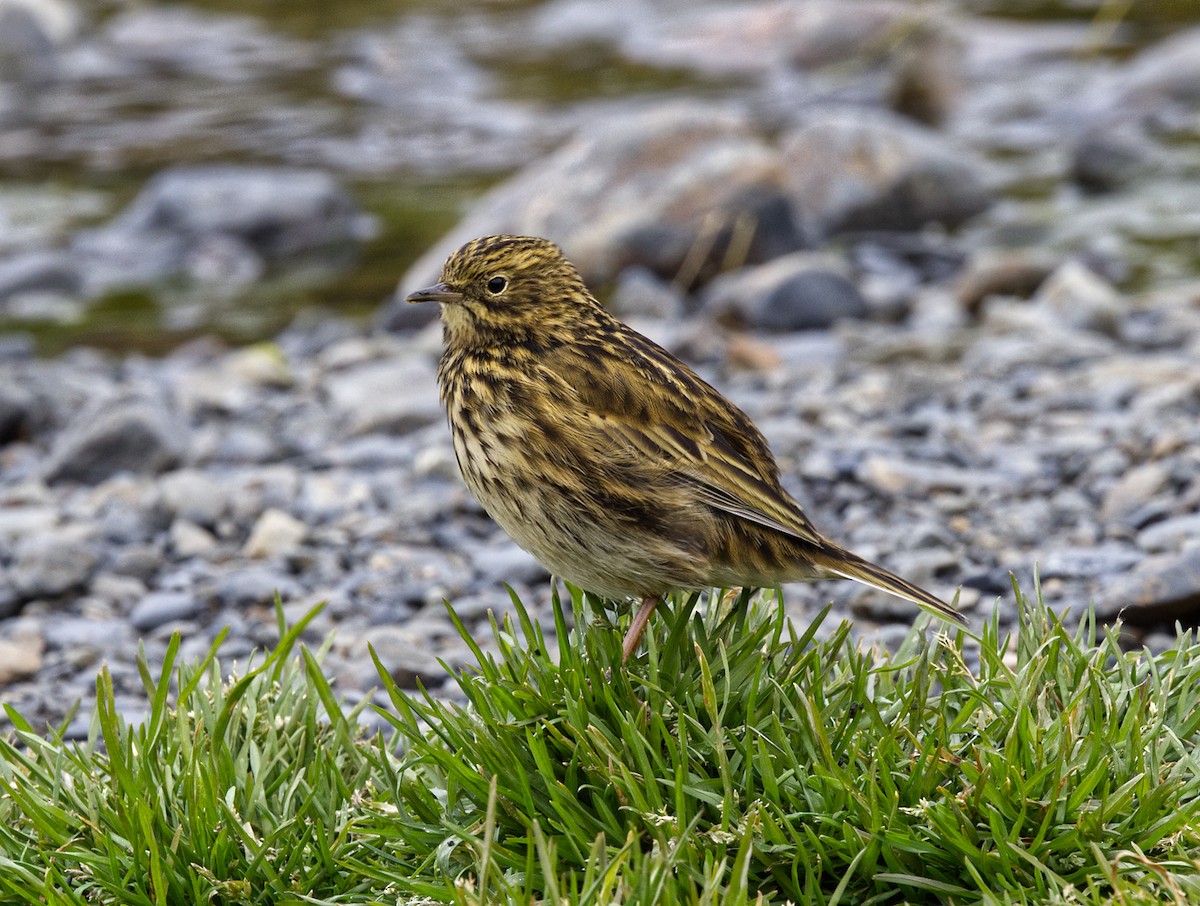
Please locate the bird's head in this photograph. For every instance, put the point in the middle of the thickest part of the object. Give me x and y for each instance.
(514, 287)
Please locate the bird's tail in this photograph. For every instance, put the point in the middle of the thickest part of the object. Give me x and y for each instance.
(842, 563)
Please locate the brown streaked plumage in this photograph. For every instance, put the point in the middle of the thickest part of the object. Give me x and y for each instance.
(603, 455)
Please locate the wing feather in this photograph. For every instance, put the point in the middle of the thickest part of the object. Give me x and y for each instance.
(682, 433)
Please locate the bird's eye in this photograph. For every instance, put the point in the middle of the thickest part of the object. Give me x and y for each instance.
(497, 285)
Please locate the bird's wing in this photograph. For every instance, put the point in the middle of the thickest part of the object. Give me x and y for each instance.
(657, 415)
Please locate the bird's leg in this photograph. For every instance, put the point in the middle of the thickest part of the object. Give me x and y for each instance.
(638, 627)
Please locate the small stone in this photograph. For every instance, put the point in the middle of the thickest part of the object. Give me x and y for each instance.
(191, 540)
(812, 300)
(506, 562)
(102, 634)
(142, 561)
(193, 495)
(1160, 590)
(391, 395)
(1002, 273)
(128, 436)
(10, 600)
(20, 658)
(748, 353)
(1101, 560)
(275, 534)
(1112, 157)
(406, 655)
(20, 521)
(1080, 298)
(801, 291)
(1133, 490)
(640, 293)
(117, 589)
(861, 169)
(161, 607)
(262, 365)
(38, 273)
(1170, 535)
(255, 586)
(15, 406)
(51, 565)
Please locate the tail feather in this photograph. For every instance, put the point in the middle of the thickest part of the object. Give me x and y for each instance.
(851, 566)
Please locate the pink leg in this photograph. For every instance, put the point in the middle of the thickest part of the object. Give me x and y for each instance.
(638, 627)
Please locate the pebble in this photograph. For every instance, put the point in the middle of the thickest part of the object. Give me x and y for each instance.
(275, 534)
(1136, 487)
(125, 436)
(849, 170)
(194, 495)
(20, 658)
(161, 607)
(1161, 590)
(393, 396)
(49, 565)
(801, 291)
(215, 221)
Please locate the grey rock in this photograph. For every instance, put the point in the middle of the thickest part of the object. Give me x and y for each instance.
(10, 598)
(1111, 157)
(253, 489)
(1160, 590)
(1133, 490)
(391, 395)
(1101, 560)
(809, 300)
(116, 589)
(191, 540)
(162, 607)
(128, 435)
(29, 35)
(69, 631)
(640, 293)
(140, 561)
(407, 656)
(1167, 71)
(1077, 297)
(50, 565)
(396, 315)
(194, 495)
(802, 291)
(865, 170)
(760, 38)
(17, 347)
(38, 272)
(15, 403)
(255, 586)
(1171, 534)
(225, 48)
(273, 213)
(686, 166)
(505, 562)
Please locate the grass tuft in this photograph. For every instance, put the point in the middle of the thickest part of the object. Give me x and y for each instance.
(736, 761)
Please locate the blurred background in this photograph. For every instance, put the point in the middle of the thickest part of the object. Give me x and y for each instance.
(945, 254)
(373, 126)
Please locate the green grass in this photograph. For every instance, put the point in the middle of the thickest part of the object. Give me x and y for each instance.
(734, 762)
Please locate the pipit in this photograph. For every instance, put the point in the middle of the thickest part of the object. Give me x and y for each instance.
(603, 455)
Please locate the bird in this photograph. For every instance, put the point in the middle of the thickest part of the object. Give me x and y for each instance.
(603, 455)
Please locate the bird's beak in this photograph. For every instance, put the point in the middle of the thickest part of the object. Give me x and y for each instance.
(439, 292)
